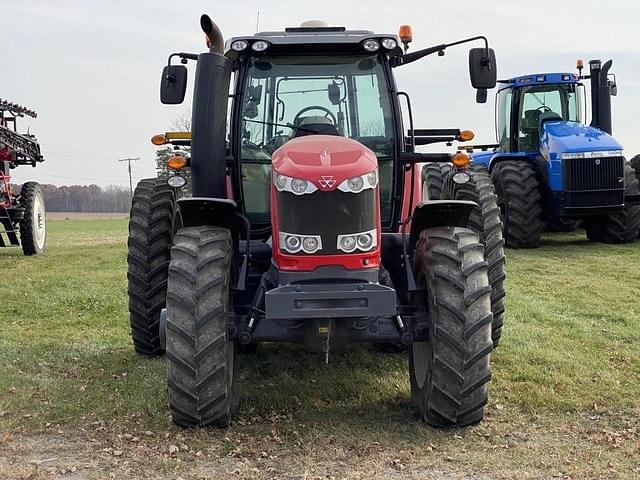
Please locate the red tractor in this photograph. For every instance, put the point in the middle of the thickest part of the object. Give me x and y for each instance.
(307, 223)
(22, 217)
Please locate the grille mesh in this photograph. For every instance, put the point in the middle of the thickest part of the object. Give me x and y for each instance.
(593, 182)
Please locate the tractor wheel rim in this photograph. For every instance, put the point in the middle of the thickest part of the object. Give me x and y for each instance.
(39, 221)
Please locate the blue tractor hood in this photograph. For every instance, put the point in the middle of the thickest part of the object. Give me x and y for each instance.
(560, 137)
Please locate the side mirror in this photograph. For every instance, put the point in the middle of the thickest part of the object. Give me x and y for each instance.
(334, 93)
(482, 68)
(614, 88)
(481, 95)
(173, 85)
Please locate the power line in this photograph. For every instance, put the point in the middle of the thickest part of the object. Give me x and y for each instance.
(129, 160)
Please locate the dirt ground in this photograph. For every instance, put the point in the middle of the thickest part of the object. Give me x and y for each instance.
(589, 447)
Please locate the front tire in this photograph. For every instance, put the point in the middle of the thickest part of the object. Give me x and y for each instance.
(449, 373)
(520, 202)
(149, 250)
(620, 227)
(200, 356)
(33, 227)
(485, 221)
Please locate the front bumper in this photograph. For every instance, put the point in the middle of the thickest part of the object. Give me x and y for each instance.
(330, 300)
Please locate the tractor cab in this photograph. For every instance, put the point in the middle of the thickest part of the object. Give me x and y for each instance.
(282, 96)
(525, 103)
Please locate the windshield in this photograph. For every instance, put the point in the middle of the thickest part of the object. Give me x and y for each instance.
(291, 96)
(561, 101)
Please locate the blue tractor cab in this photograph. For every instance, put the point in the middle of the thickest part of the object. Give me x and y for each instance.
(550, 167)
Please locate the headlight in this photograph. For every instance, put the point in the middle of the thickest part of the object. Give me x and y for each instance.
(176, 181)
(259, 46)
(239, 45)
(294, 243)
(371, 45)
(389, 43)
(297, 186)
(363, 241)
(602, 154)
(461, 178)
(357, 184)
(347, 243)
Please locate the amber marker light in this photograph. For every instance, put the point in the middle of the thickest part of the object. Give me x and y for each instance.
(579, 64)
(177, 162)
(460, 159)
(159, 140)
(406, 33)
(466, 136)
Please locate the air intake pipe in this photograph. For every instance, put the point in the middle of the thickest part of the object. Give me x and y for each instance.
(600, 95)
(209, 116)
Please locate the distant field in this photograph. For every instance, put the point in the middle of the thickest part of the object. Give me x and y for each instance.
(86, 215)
(76, 401)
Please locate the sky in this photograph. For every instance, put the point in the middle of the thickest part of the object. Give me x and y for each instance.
(92, 69)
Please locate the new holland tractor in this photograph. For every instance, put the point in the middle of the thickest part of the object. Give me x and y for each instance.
(22, 216)
(307, 224)
(551, 168)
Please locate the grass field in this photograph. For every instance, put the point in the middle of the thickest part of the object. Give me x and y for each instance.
(77, 402)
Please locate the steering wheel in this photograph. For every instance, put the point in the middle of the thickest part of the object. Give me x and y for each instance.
(327, 113)
(543, 109)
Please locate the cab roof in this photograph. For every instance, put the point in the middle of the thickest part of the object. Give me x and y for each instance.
(540, 79)
(313, 40)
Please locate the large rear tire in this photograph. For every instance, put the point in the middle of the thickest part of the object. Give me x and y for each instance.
(150, 236)
(485, 221)
(33, 227)
(200, 356)
(520, 202)
(449, 373)
(433, 177)
(621, 227)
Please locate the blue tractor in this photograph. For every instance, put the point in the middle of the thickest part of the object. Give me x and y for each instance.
(551, 169)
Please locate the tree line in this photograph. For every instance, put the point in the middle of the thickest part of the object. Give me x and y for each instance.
(84, 198)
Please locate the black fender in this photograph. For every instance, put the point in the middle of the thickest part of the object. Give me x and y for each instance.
(196, 211)
(439, 213)
(219, 212)
(503, 156)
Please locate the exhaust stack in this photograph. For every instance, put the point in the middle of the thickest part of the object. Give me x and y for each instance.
(600, 95)
(209, 116)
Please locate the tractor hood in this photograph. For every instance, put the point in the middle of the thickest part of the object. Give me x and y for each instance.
(560, 137)
(324, 160)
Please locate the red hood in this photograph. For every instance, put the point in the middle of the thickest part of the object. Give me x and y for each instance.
(316, 156)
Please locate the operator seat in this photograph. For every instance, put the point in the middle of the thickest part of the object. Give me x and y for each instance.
(529, 126)
(315, 125)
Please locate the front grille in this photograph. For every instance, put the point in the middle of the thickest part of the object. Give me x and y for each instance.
(593, 182)
(327, 214)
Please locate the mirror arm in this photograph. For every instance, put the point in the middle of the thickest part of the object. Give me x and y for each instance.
(183, 59)
(412, 57)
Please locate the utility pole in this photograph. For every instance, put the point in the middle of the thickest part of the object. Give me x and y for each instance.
(129, 160)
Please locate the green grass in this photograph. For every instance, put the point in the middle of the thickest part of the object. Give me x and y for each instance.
(570, 350)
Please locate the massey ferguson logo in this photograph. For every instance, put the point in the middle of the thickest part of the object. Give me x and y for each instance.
(327, 182)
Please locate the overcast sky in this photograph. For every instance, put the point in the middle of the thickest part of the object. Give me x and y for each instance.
(91, 69)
